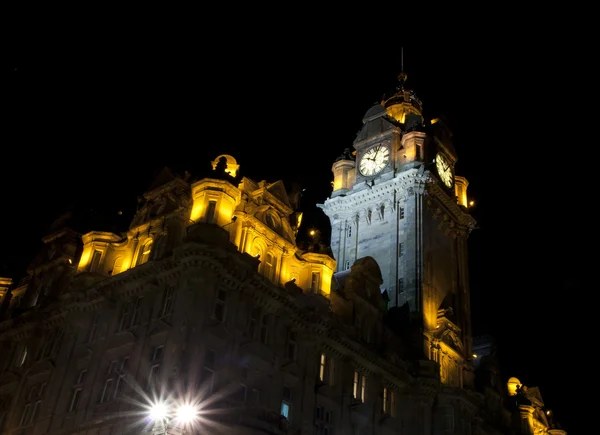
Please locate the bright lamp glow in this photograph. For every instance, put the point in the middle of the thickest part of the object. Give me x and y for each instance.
(158, 411)
(187, 413)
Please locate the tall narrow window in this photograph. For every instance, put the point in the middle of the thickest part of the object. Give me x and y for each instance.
(322, 367)
(211, 212)
(269, 268)
(93, 328)
(219, 309)
(323, 421)
(292, 345)
(401, 213)
(155, 363)
(253, 321)
(326, 369)
(400, 249)
(77, 390)
(120, 387)
(95, 263)
(418, 152)
(315, 284)
(167, 302)
(117, 266)
(137, 311)
(349, 231)
(125, 317)
(144, 254)
(21, 355)
(286, 403)
(33, 404)
(359, 386)
(264, 329)
(385, 402)
(347, 265)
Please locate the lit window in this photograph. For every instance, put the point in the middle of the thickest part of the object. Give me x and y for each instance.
(326, 369)
(315, 284)
(269, 267)
(144, 253)
(117, 266)
(359, 387)
(211, 212)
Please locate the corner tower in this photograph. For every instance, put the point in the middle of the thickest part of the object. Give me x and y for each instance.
(396, 199)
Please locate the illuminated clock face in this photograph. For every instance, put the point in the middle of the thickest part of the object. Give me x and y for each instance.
(374, 160)
(444, 170)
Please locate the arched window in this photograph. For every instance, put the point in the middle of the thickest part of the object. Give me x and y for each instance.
(144, 253)
(117, 266)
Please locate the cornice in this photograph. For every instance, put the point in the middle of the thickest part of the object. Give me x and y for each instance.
(405, 183)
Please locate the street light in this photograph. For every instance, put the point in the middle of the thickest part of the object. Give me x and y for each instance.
(167, 421)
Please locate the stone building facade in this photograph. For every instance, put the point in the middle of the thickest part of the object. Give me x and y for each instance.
(208, 300)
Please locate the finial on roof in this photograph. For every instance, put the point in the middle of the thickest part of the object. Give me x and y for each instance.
(402, 75)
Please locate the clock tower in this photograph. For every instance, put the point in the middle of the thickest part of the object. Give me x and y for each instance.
(396, 198)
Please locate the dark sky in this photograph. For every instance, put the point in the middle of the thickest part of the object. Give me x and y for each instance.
(90, 122)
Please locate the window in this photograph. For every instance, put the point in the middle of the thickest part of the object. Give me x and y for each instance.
(137, 312)
(326, 369)
(168, 301)
(114, 379)
(155, 363)
(315, 284)
(264, 329)
(210, 212)
(349, 231)
(95, 263)
(93, 328)
(33, 404)
(386, 400)
(253, 321)
(347, 265)
(51, 344)
(120, 387)
(219, 310)
(359, 387)
(292, 345)
(21, 355)
(208, 371)
(400, 249)
(144, 253)
(401, 213)
(323, 421)
(125, 316)
(117, 266)
(269, 267)
(286, 403)
(77, 390)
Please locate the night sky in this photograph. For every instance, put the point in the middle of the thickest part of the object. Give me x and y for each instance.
(89, 124)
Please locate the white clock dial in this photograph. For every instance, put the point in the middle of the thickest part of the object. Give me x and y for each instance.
(374, 160)
(444, 170)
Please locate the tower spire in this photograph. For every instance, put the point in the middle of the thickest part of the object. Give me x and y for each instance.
(402, 75)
